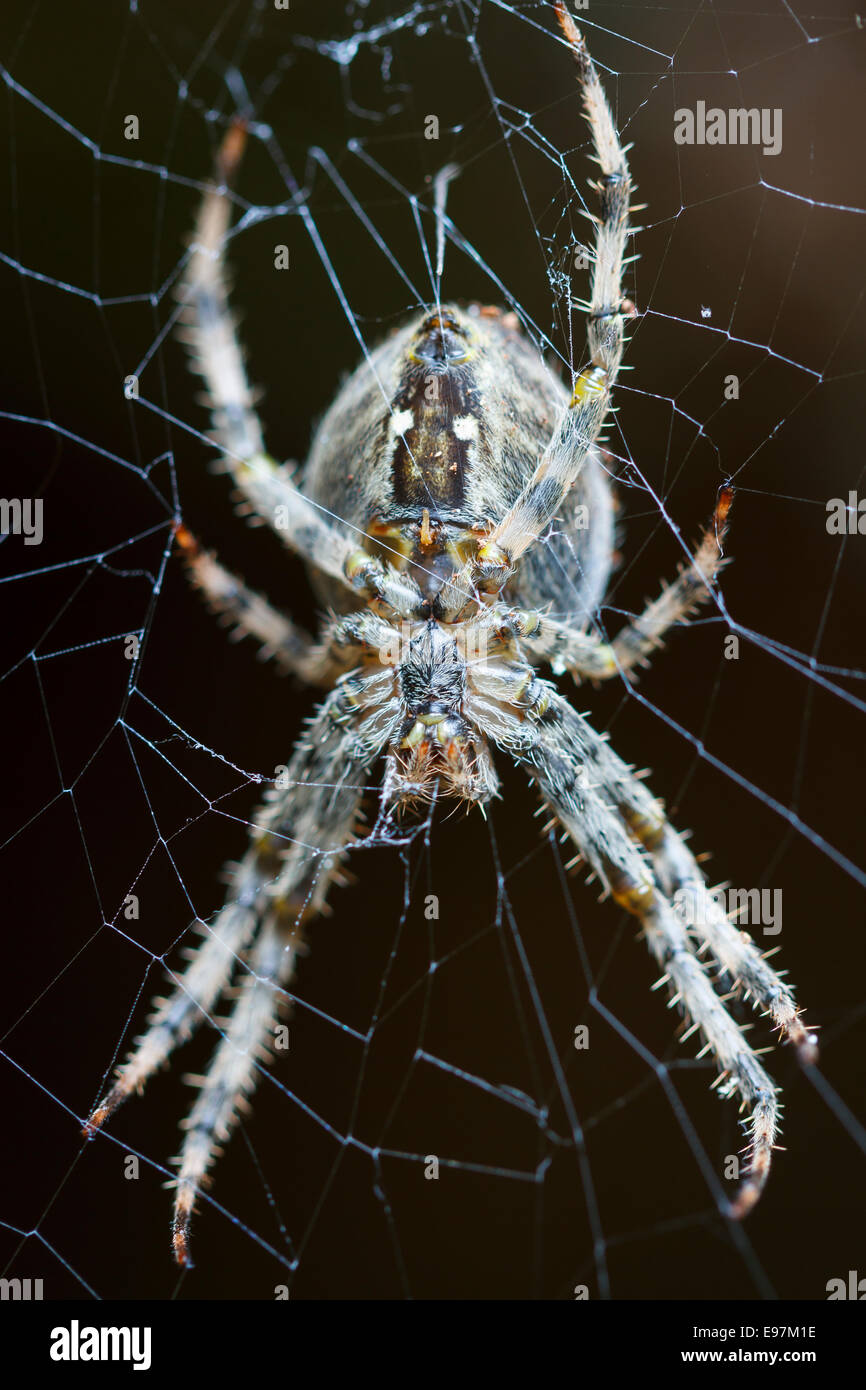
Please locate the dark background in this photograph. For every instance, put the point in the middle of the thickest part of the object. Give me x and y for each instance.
(103, 795)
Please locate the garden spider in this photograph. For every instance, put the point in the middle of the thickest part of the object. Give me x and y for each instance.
(433, 476)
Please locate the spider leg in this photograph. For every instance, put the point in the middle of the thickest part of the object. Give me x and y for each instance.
(582, 421)
(319, 662)
(582, 781)
(252, 616)
(215, 353)
(566, 648)
(232, 1073)
(733, 949)
(176, 1017)
(267, 489)
(680, 878)
(320, 809)
(298, 843)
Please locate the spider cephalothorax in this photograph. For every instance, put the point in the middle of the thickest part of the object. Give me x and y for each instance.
(424, 513)
(453, 682)
(436, 745)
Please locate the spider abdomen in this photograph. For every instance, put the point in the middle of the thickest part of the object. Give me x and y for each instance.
(431, 440)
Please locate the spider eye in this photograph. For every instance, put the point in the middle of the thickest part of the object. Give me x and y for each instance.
(442, 341)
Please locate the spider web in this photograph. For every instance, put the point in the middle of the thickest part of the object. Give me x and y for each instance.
(414, 1034)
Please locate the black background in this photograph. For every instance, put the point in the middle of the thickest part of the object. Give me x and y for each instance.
(101, 793)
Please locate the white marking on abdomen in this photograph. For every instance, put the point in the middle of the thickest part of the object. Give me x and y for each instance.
(466, 427)
(402, 421)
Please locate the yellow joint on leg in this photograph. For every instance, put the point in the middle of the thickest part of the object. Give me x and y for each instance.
(416, 735)
(492, 554)
(607, 662)
(588, 383)
(522, 682)
(530, 621)
(632, 894)
(541, 706)
(650, 830)
(355, 563)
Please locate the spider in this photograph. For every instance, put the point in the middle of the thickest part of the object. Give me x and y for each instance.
(431, 480)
